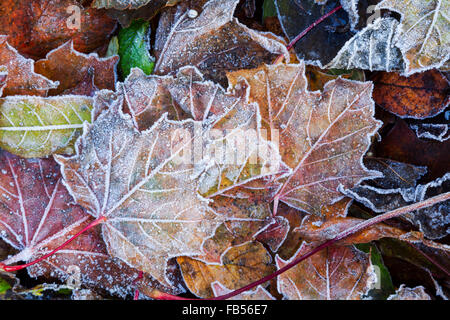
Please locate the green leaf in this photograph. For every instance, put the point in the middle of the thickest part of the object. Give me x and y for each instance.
(4, 286)
(269, 9)
(35, 127)
(134, 48)
(384, 287)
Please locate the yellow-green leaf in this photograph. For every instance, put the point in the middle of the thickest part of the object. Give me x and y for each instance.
(37, 127)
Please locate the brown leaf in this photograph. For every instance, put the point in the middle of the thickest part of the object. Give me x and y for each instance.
(240, 266)
(419, 96)
(214, 41)
(35, 27)
(323, 135)
(3, 78)
(335, 273)
(70, 68)
(22, 78)
(275, 234)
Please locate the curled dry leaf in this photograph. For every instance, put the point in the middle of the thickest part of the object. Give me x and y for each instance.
(22, 78)
(257, 294)
(335, 273)
(322, 135)
(424, 32)
(435, 131)
(371, 49)
(149, 199)
(405, 293)
(38, 26)
(38, 127)
(241, 265)
(70, 67)
(398, 188)
(214, 41)
(419, 96)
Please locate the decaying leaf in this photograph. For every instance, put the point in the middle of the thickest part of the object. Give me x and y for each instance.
(275, 234)
(371, 49)
(22, 79)
(335, 273)
(424, 34)
(258, 294)
(70, 67)
(240, 266)
(402, 144)
(385, 193)
(149, 199)
(405, 293)
(214, 42)
(38, 127)
(323, 135)
(439, 132)
(419, 96)
(398, 188)
(38, 26)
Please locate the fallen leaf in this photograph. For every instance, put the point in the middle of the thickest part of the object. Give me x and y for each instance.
(335, 273)
(38, 26)
(149, 199)
(423, 35)
(22, 78)
(70, 67)
(438, 132)
(323, 135)
(241, 265)
(386, 193)
(405, 293)
(214, 42)
(258, 294)
(38, 127)
(401, 144)
(418, 96)
(371, 49)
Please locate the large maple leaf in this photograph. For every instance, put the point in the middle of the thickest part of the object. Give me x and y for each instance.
(150, 201)
(322, 135)
(424, 35)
